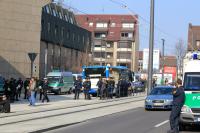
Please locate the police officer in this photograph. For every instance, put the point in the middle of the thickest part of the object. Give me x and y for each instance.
(78, 86)
(26, 84)
(178, 101)
(87, 87)
(99, 84)
(45, 89)
(111, 85)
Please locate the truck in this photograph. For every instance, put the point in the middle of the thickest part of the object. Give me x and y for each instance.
(190, 112)
(4, 101)
(60, 82)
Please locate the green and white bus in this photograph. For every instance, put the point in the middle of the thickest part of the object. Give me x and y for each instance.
(190, 113)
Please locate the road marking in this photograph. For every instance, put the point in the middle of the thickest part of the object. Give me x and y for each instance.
(162, 123)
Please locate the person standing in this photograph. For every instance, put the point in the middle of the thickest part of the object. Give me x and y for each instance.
(87, 87)
(19, 87)
(111, 85)
(26, 85)
(78, 86)
(178, 102)
(99, 84)
(45, 88)
(32, 87)
(103, 89)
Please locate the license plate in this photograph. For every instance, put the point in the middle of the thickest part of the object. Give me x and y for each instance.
(157, 104)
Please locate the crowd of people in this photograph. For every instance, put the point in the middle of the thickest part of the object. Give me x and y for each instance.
(14, 88)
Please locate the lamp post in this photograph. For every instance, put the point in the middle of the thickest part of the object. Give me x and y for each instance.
(151, 47)
(163, 59)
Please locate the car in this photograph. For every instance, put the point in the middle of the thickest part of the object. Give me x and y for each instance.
(160, 97)
(138, 86)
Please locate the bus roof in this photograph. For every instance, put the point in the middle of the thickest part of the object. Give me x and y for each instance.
(117, 67)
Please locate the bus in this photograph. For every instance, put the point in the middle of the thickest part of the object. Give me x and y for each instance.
(96, 72)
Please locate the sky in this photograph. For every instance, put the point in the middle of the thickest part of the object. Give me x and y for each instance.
(172, 17)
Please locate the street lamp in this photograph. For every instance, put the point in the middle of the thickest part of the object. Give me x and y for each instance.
(151, 47)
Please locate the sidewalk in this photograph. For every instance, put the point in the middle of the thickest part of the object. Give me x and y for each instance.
(56, 102)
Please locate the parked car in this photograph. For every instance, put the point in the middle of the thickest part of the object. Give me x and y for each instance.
(159, 98)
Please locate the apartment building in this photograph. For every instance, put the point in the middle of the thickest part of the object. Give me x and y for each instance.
(115, 39)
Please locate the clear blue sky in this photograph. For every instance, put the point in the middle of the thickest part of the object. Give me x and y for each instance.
(171, 17)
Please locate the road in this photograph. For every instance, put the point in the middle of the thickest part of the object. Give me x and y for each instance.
(132, 121)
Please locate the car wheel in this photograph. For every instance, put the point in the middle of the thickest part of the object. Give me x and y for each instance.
(94, 95)
(181, 127)
(146, 109)
(58, 92)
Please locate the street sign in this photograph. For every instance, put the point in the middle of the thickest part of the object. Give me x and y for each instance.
(32, 56)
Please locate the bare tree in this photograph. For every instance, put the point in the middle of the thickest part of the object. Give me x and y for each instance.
(180, 51)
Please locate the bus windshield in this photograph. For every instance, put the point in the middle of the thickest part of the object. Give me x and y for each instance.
(192, 81)
(95, 72)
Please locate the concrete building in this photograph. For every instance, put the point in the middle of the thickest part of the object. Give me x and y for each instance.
(193, 37)
(115, 39)
(20, 34)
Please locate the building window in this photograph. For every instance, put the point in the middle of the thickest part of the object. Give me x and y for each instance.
(83, 40)
(113, 25)
(66, 18)
(198, 44)
(99, 35)
(56, 30)
(48, 27)
(102, 25)
(91, 24)
(127, 25)
(78, 38)
(68, 34)
(62, 32)
(121, 55)
(73, 36)
(126, 35)
(124, 45)
(47, 9)
(60, 15)
(54, 12)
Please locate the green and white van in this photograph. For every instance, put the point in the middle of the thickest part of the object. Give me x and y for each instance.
(60, 82)
(190, 113)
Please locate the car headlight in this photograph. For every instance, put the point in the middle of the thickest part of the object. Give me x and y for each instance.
(186, 109)
(148, 100)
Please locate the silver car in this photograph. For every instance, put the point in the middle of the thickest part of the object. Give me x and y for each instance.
(160, 98)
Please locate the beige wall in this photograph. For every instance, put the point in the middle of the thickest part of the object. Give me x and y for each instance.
(19, 34)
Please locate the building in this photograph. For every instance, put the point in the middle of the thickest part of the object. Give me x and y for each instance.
(193, 37)
(115, 39)
(64, 45)
(27, 27)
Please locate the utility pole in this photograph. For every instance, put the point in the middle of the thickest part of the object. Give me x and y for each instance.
(151, 47)
(163, 59)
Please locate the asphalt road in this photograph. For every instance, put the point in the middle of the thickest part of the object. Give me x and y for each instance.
(132, 121)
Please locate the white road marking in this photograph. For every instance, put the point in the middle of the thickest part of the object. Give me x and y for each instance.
(162, 123)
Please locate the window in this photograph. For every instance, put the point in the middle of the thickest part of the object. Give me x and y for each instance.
(48, 27)
(99, 35)
(112, 24)
(126, 35)
(60, 15)
(73, 36)
(56, 30)
(47, 9)
(122, 55)
(124, 45)
(54, 12)
(127, 25)
(78, 38)
(68, 34)
(66, 18)
(101, 25)
(62, 32)
(90, 24)
(198, 44)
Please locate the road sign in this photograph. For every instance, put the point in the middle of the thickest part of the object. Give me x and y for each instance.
(32, 56)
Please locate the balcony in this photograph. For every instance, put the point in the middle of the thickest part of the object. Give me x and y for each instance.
(123, 60)
(124, 49)
(99, 49)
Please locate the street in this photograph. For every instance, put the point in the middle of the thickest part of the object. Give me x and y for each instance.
(132, 121)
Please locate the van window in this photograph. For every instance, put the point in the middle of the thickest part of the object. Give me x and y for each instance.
(53, 79)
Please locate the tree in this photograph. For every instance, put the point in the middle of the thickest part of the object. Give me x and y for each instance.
(180, 51)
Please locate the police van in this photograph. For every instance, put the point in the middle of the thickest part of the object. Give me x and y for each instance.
(60, 82)
(190, 113)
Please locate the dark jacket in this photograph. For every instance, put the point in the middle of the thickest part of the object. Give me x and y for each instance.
(78, 84)
(87, 85)
(178, 96)
(45, 86)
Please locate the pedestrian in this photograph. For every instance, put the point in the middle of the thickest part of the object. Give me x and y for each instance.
(19, 87)
(87, 87)
(99, 84)
(124, 87)
(78, 86)
(26, 85)
(103, 89)
(111, 85)
(37, 87)
(41, 82)
(12, 90)
(178, 102)
(45, 88)
(32, 87)
(7, 89)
